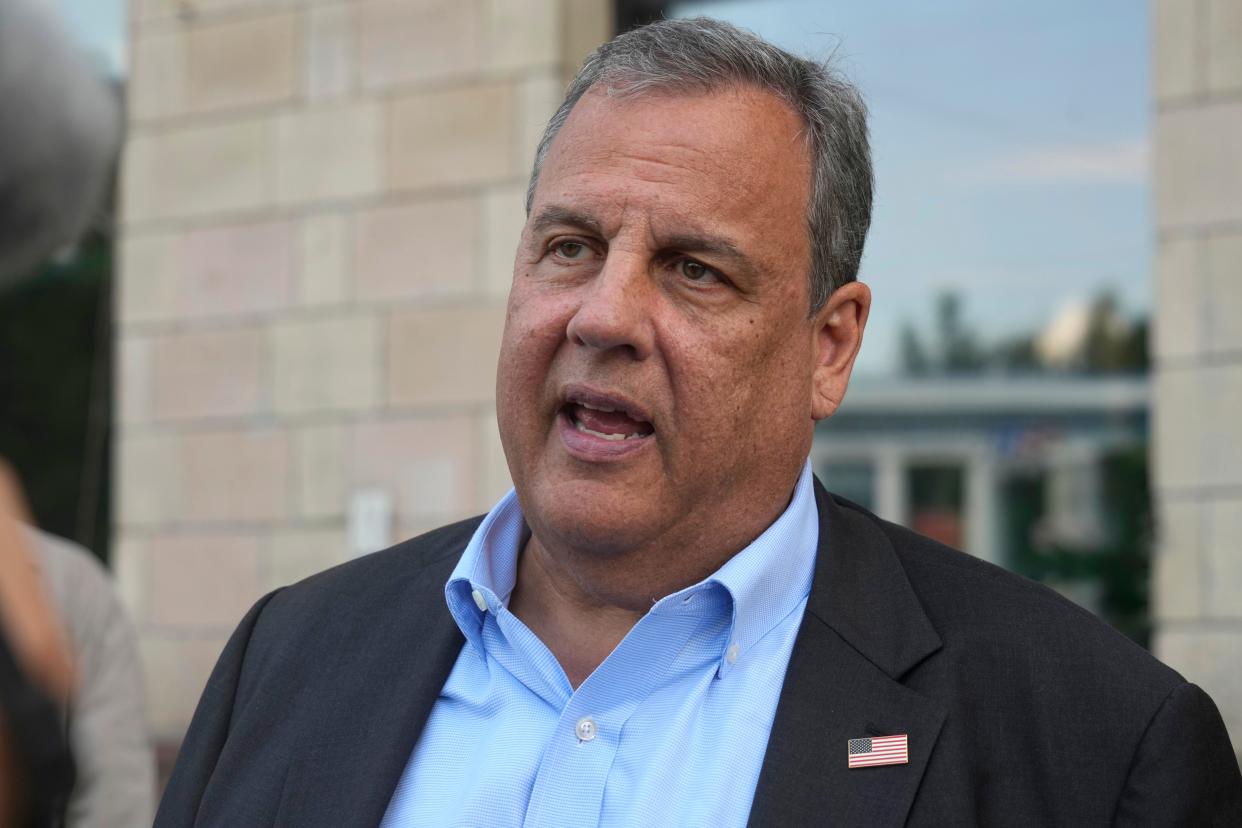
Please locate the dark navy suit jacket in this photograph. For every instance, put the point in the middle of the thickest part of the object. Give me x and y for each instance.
(1021, 708)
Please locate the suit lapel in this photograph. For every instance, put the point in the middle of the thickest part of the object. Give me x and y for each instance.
(377, 687)
(862, 631)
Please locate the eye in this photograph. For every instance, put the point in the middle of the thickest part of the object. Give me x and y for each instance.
(571, 250)
(697, 271)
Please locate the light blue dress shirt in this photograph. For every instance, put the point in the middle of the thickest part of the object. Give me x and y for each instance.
(670, 729)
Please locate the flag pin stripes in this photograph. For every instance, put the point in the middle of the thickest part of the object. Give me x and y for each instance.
(871, 751)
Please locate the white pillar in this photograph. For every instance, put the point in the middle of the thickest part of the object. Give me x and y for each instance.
(981, 506)
(890, 484)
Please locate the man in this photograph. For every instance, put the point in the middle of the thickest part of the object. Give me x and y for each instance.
(669, 621)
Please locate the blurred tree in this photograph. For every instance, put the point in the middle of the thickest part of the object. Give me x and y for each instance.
(1109, 344)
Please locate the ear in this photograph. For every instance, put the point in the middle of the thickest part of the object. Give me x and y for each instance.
(838, 336)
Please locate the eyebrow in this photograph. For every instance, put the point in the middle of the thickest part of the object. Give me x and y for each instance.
(704, 243)
(554, 216)
(557, 216)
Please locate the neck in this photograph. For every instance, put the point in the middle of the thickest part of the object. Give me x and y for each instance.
(578, 624)
(581, 604)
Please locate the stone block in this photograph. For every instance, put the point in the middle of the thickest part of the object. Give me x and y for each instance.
(540, 96)
(299, 553)
(458, 136)
(323, 260)
(1179, 329)
(417, 250)
(1175, 48)
(133, 382)
(1221, 400)
(1223, 272)
(1224, 559)
(149, 281)
(1178, 420)
(236, 270)
(504, 217)
(326, 364)
(1198, 165)
(197, 11)
(444, 356)
(1212, 659)
(202, 581)
(1178, 571)
(199, 170)
(157, 75)
(207, 374)
(588, 23)
(148, 479)
(329, 152)
(522, 35)
(331, 49)
(131, 567)
(175, 671)
(403, 41)
(235, 476)
(247, 62)
(1224, 46)
(427, 464)
(320, 471)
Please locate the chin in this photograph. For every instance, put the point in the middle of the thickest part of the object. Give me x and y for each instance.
(589, 517)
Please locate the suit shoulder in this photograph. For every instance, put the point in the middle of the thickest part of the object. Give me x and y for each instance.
(985, 610)
(412, 571)
(408, 556)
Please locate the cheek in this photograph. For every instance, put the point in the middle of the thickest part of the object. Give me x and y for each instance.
(534, 330)
(743, 384)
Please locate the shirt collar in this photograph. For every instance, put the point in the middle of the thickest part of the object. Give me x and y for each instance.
(765, 581)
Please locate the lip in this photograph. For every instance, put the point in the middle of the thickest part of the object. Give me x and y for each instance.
(577, 393)
(588, 447)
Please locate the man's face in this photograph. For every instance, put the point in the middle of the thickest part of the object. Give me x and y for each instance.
(655, 376)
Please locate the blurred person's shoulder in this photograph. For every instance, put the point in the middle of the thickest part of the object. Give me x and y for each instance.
(76, 582)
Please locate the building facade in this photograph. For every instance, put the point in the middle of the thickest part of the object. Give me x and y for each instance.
(319, 210)
(1197, 410)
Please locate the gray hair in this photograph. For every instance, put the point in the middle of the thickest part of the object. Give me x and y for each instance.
(704, 55)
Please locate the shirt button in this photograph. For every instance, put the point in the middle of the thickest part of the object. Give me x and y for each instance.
(731, 653)
(586, 729)
(479, 600)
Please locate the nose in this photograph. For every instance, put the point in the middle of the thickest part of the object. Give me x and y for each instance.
(616, 308)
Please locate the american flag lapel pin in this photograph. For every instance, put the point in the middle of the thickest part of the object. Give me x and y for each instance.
(871, 751)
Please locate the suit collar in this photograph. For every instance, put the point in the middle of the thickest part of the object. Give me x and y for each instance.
(861, 591)
(862, 631)
(374, 692)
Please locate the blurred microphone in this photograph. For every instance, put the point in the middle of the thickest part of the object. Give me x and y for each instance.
(61, 125)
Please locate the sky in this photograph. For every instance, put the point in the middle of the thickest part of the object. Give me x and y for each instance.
(1010, 144)
(100, 26)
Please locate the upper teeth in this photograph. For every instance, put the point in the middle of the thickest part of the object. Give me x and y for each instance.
(596, 407)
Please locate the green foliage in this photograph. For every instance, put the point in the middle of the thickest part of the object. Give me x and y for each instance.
(1121, 567)
(1111, 344)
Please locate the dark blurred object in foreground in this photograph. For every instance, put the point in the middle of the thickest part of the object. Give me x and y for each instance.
(60, 131)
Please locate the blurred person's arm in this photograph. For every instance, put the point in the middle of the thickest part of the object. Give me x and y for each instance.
(107, 724)
(37, 659)
(26, 615)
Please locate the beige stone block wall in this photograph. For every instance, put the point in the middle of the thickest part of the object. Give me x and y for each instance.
(1197, 409)
(320, 201)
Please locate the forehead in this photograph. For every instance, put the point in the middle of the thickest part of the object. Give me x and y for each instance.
(735, 157)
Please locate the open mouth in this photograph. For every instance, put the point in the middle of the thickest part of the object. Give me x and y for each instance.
(606, 422)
